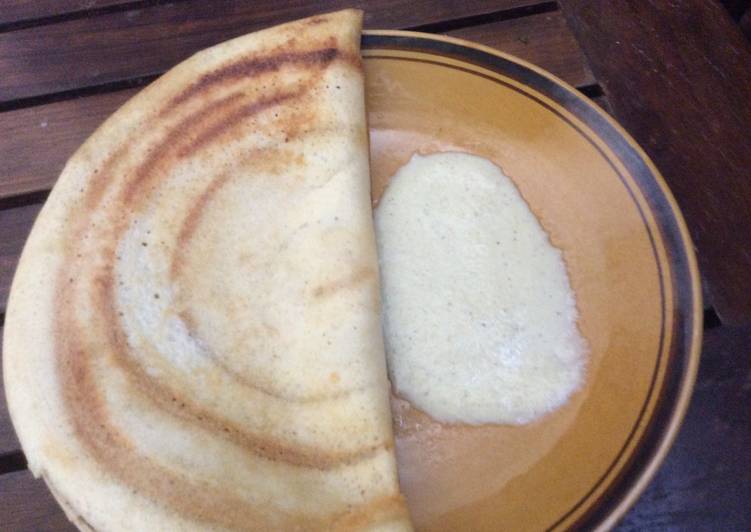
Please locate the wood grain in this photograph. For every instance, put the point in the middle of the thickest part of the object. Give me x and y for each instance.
(15, 225)
(117, 46)
(40, 139)
(677, 76)
(28, 506)
(705, 482)
(22, 10)
(8, 441)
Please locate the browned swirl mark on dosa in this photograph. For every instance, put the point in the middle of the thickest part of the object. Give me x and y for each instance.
(357, 277)
(267, 159)
(254, 66)
(237, 115)
(164, 153)
(113, 450)
(82, 346)
(316, 62)
(262, 446)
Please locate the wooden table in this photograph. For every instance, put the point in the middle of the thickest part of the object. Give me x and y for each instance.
(676, 74)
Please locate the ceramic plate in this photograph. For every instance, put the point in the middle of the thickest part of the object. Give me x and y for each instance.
(631, 265)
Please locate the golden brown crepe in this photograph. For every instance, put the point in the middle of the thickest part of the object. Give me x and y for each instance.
(193, 337)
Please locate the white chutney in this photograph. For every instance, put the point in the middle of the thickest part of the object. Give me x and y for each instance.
(480, 319)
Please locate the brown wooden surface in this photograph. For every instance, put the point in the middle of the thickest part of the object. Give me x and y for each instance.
(8, 441)
(705, 482)
(678, 77)
(118, 46)
(14, 11)
(41, 138)
(15, 225)
(27, 506)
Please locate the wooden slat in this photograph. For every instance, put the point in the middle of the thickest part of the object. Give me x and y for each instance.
(545, 37)
(26, 505)
(40, 139)
(8, 441)
(136, 43)
(677, 76)
(15, 225)
(22, 10)
(705, 482)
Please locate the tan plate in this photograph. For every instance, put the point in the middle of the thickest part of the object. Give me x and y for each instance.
(630, 261)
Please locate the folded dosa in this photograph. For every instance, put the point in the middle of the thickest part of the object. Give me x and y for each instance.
(193, 337)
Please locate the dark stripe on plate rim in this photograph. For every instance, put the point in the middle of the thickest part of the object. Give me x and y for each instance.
(677, 366)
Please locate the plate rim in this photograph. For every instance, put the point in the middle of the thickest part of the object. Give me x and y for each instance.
(642, 471)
